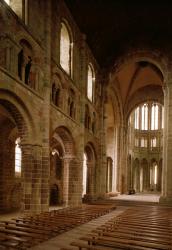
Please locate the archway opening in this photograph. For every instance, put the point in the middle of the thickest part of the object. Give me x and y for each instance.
(63, 165)
(88, 181)
(145, 133)
(11, 134)
(56, 172)
(54, 195)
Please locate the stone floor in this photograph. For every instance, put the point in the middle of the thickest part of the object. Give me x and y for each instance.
(148, 197)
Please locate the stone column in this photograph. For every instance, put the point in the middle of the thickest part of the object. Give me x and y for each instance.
(27, 164)
(132, 173)
(45, 116)
(66, 162)
(75, 182)
(129, 173)
(31, 178)
(36, 178)
(166, 196)
(123, 173)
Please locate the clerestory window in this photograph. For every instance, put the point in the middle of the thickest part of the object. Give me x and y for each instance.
(90, 83)
(65, 49)
(144, 117)
(154, 116)
(20, 7)
(136, 118)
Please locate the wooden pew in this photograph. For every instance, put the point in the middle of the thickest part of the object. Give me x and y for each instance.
(115, 242)
(34, 229)
(133, 228)
(12, 241)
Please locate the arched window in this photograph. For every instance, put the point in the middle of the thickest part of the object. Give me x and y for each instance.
(17, 157)
(154, 116)
(144, 117)
(153, 142)
(162, 125)
(7, 1)
(20, 7)
(90, 83)
(143, 142)
(84, 179)
(136, 118)
(65, 49)
(57, 97)
(155, 173)
(57, 157)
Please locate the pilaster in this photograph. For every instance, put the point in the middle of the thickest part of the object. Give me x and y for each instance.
(166, 196)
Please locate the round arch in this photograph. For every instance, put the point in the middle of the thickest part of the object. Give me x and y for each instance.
(66, 138)
(16, 122)
(148, 93)
(67, 167)
(20, 113)
(155, 57)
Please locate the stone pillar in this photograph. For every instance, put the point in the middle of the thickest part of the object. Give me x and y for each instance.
(132, 173)
(75, 182)
(123, 173)
(66, 162)
(45, 116)
(36, 179)
(166, 196)
(129, 173)
(31, 178)
(27, 164)
(72, 181)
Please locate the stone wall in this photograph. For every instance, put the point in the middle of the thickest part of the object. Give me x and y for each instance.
(32, 112)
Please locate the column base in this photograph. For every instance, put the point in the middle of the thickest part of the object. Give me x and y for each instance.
(165, 200)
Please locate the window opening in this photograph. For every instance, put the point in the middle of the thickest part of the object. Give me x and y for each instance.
(18, 156)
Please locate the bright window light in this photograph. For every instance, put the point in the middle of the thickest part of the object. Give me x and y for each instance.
(7, 1)
(84, 183)
(18, 156)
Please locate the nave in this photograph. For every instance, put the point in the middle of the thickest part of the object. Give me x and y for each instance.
(104, 226)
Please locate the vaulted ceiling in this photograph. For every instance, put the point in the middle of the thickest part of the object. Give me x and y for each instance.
(114, 26)
(135, 76)
(111, 26)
